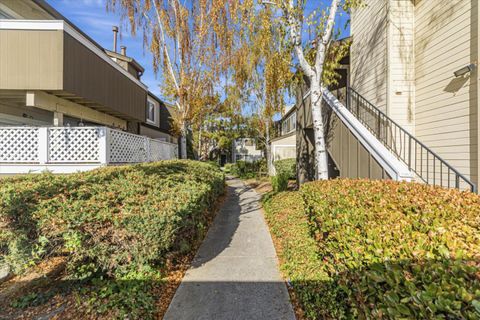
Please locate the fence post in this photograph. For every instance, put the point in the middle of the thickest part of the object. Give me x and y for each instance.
(146, 146)
(409, 152)
(378, 127)
(104, 145)
(347, 97)
(43, 145)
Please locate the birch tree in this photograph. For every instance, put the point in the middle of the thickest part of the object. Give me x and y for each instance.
(263, 70)
(189, 43)
(322, 22)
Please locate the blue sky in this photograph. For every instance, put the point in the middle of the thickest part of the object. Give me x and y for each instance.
(92, 17)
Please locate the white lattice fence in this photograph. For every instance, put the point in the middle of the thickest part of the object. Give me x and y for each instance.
(161, 150)
(127, 148)
(27, 147)
(19, 145)
(157, 150)
(78, 144)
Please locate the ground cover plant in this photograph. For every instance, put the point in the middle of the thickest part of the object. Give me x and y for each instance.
(379, 249)
(287, 166)
(247, 169)
(285, 170)
(115, 228)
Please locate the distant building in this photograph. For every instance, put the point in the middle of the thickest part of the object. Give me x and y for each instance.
(284, 145)
(245, 149)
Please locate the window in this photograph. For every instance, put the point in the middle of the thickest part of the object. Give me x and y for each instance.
(150, 112)
(289, 124)
(248, 142)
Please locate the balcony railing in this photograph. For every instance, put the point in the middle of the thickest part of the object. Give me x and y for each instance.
(420, 159)
(30, 146)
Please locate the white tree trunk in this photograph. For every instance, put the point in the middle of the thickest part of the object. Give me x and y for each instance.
(268, 148)
(321, 159)
(315, 76)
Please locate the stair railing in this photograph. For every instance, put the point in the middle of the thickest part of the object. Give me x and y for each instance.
(419, 158)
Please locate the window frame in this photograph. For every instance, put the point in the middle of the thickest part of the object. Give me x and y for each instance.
(289, 124)
(151, 112)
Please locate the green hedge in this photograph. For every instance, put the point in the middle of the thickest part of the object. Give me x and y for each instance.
(115, 222)
(380, 249)
(246, 170)
(279, 181)
(228, 167)
(287, 166)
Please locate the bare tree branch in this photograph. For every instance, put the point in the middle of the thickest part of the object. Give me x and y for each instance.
(325, 39)
(164, 45)
(295, 34)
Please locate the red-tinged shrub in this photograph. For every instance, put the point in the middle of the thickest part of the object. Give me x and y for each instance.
(383, 249)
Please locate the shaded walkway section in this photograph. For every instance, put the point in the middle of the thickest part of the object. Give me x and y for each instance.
(235, 273)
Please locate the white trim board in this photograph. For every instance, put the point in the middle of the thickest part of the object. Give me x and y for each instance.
(16, 169)
(6, 24)
(394, 167)
(273, 171)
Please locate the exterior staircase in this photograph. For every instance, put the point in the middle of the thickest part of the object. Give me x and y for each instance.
(389, 146)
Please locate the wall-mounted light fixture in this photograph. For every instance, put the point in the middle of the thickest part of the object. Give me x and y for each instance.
(464, 70)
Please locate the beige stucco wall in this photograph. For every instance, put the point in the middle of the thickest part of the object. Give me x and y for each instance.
(31, 59)
(155, 134)
(283, 148)
(382, 57)
(408, 71)
(241, 148)
(446, 39)
(42, 100)
(368, 53)
(400, 63)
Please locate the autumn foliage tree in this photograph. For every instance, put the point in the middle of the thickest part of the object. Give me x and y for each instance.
(270, 75)
(190, 42)
(261, 68)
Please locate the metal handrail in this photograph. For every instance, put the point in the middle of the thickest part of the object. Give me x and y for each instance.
(419, 158)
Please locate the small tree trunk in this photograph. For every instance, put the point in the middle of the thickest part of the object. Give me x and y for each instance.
(321, 160)
(183, 141)
(268, 148)
(200, 155)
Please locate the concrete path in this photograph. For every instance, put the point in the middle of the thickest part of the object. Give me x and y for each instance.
(235, 273)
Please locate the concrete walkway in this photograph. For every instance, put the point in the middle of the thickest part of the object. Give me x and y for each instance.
(235, 273)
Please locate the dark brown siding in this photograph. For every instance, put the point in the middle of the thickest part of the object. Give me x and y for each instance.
(351, 158)
(165, 118)
(90, 77)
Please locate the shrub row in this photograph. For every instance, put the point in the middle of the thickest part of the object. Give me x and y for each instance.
(287, 166)
(380, 249)
(246, 170)
(285, 170)
(115, 222)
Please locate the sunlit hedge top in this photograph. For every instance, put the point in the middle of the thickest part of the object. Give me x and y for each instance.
(383, 249)
(111, 220)
(382, 220)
